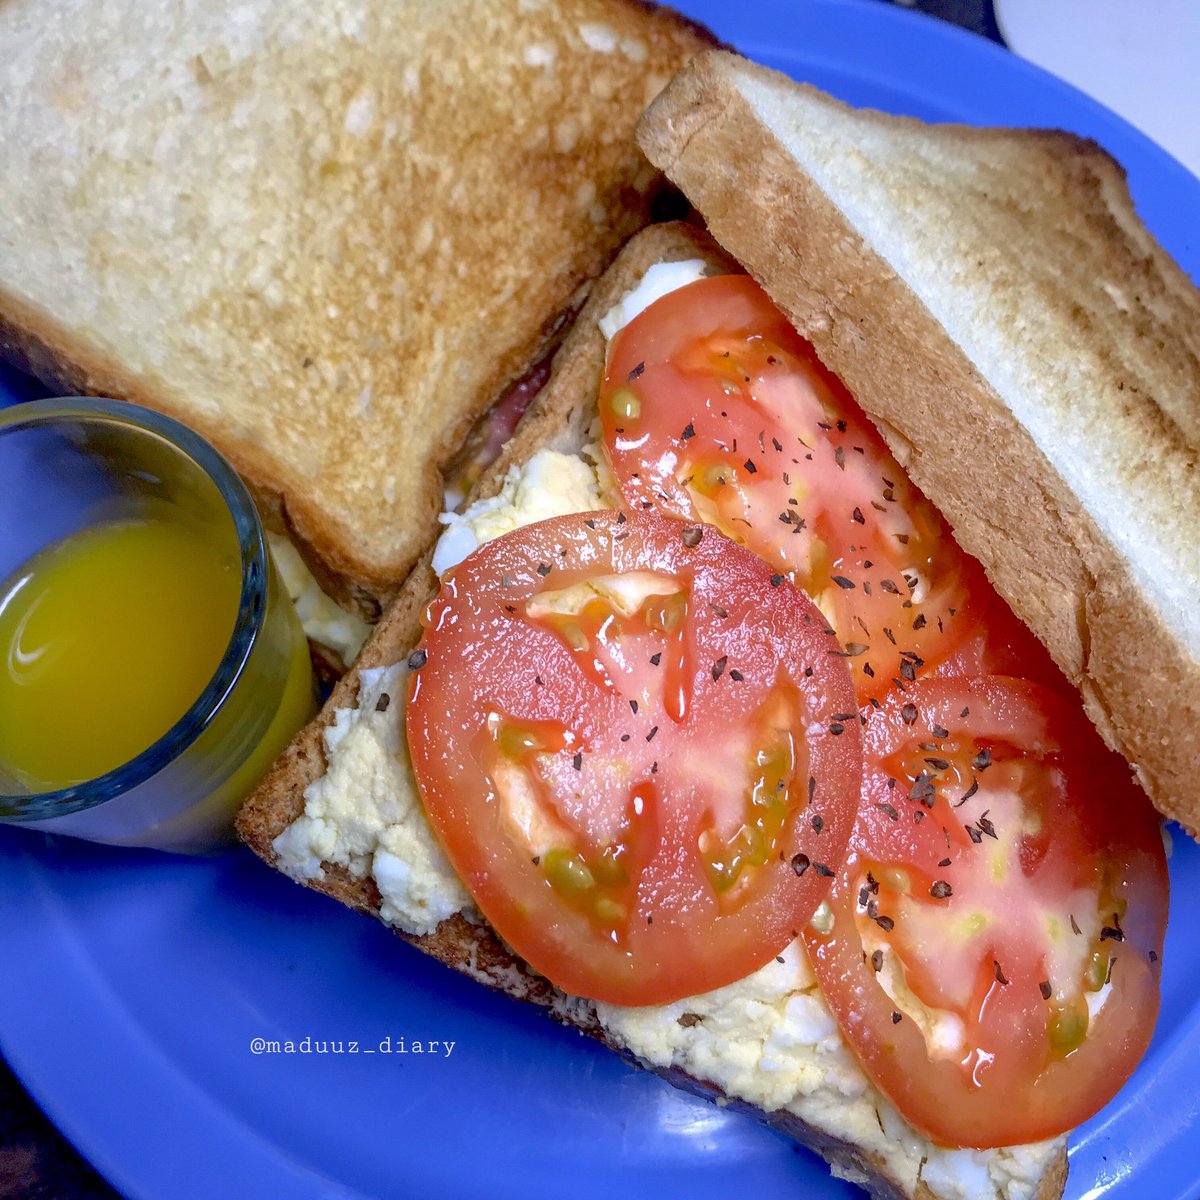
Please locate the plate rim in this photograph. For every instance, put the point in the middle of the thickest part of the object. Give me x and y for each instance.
(1150, 158)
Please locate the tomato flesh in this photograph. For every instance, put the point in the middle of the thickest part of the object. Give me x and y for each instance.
(639, 748)
(997, 982)
(998, 923)
(713, 408)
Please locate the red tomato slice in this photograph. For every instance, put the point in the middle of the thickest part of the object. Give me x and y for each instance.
(1002, 644)
(639, 748)
(714, 408)
(997, 927)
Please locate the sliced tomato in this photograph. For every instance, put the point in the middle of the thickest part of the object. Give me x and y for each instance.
(1001, 644)
(639, 748)
(714, 408)
(993, 954)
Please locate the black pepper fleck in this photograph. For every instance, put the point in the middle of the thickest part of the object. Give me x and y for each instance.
(923, 791)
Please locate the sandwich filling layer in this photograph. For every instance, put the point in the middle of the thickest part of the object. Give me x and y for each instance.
(769, 1040)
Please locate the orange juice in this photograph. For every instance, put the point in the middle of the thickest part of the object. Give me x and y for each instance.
(106, 639)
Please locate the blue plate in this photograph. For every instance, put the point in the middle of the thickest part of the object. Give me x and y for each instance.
(136, 985)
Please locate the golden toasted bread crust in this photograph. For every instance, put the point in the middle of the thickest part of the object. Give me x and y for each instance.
(325, 236)
(1135, 368)
(560, 417)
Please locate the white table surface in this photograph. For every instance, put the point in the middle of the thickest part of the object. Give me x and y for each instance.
(1139, 57)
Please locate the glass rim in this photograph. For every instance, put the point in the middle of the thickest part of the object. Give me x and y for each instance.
(252, 602)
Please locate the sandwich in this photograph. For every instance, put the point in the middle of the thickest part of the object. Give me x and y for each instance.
(953, 706)
(326, 238)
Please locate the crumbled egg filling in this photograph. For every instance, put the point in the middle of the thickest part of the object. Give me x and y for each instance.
(323, 619)
(550, 484)
(769, 1039)
(660, 280)
(365, 813)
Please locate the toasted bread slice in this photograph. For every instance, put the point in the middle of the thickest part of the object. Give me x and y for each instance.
(1029, 352)
(898, 1165)
(325, 236)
